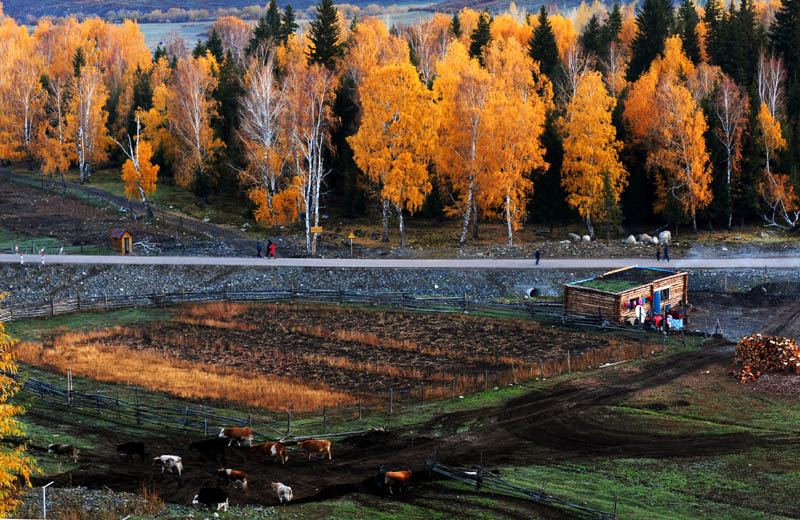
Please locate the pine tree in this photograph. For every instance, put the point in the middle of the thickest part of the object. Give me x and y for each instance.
(160, 52)
(455, 26)
(227, 94)
(78, 62)
(326, 45)
(592, 38)
(785, 35)
(654, 23)
(612, 212)
(142, 97)
(480, 37)
(543, 47)
(268, 28)
(687, 28)
(199, 49)
(214, 46)
(288, 23)
(713, 20)
(612, 27)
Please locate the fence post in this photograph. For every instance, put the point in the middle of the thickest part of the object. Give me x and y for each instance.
(464, 302)
(453, 389)
(138, 414)
(52, 308)
(249, 421)
(118, 412)
(105, 298)
(205, 426)
(324, 419)
(359, 409)
(79, 303)
(391, 399)
(422, 393)
(541, 368)
(288, 423)
(514, 373)
(619, 347)
(485, 379)
(185, 417)
(663, 341)
(569, 363)
(154, 297)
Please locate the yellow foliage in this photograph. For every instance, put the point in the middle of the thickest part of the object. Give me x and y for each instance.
(15, 467)
(505, 27)
(140, 176)
(564, 32)
(398, 134)
(591, 149)
(371, 46)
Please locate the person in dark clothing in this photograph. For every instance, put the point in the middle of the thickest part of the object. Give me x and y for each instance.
(271, 249)
(658, 252)
(538, 255)
(666, 252)
(259, 245)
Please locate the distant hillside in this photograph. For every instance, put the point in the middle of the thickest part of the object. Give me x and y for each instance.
(24, 10)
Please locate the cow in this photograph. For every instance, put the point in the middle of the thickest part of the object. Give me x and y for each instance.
(312, 446)
(212, 448)
(129, 449)
(284, 492)
(233, 475)
(212, 498)
(238, 434)
(170, 462)
(397, 478)
(64, 449)
(272, 449)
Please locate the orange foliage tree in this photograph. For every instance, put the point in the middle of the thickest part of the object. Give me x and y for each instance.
(397, 138)
(262, 116)
(191, 109)
(591, 150)
(21, 93)
(86, 118)
(517, 121)
(139, 173)
(235, 34)
(15, 466)
(429, 40)
(463, 89)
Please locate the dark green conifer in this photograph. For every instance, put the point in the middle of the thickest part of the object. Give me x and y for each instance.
(326, 45)
(455, 26)
(480, 37)
(687, 29)
(654, 23)
(288, 23)
(543, 47)
(592, 39)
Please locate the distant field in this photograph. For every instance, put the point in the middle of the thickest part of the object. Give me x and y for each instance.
(159, 32)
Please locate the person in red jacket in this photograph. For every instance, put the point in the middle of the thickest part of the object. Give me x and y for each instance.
(271, 249)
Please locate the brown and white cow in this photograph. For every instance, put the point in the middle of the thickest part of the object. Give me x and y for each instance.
(397, 478)
(284, 492)
(312, 446)
(233, 475)
(238, 434)
(64, 449)
(272, 449)
(170, 462)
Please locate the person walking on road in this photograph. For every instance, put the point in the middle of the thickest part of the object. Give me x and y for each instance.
(271, 249)
(538, 255)
(666, 252)
(658, 252)
(258, 249)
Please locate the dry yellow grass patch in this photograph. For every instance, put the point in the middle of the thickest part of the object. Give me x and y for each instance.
(186, 379)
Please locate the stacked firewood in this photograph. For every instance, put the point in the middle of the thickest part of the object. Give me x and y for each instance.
(768, 353)
(745, 375)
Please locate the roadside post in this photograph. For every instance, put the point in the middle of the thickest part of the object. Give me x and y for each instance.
(315, 230)
(351, 236)
(44, 499)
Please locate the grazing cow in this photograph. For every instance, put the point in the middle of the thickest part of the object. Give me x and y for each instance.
(212, 498)
(237, 434)
(233, 475)
(170, 462)
(284, 492)
(129, 449)
(397, 478)
(272, 449)
(210, 448)
(312, 446)
(64, 449)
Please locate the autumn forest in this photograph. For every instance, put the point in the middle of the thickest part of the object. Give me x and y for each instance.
(634, 114)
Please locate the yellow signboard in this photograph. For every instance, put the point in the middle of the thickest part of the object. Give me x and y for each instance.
(351, 236)
(316, 229)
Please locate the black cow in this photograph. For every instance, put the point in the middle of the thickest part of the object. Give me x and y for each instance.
(212, 498)
(129, 449)
(211, 448)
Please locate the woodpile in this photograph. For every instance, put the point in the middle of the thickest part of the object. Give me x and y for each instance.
(745, 375)
(768, 353)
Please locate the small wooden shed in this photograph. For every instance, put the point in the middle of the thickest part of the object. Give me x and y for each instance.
(122, 241)
(613, 296)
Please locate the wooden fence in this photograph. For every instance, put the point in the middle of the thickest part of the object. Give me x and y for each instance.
(55, 306)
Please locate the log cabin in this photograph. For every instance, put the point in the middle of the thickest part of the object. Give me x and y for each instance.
(613, 296)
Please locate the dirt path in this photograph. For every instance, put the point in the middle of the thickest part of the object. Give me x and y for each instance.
(568, 420)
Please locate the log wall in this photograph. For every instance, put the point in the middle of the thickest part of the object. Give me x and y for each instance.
(594, 303)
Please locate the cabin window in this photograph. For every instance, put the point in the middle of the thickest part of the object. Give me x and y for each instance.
(664, 294)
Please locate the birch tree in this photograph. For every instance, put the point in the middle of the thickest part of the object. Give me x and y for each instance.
(730, 105)
(397, 137)
(138, 173)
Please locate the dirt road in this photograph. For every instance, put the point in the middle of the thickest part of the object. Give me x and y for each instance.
(552, 263)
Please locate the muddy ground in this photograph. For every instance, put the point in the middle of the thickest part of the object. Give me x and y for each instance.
(568, 422)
